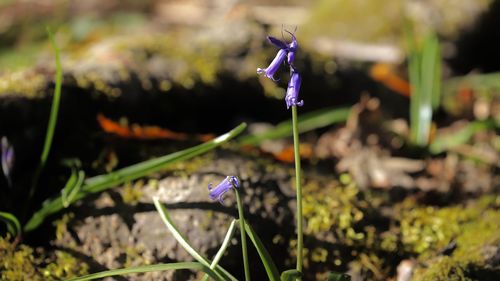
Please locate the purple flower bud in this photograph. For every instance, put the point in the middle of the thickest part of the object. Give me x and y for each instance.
(274, 66)
(7, 158)
(292, 49)
(292, 93)
(223, 187)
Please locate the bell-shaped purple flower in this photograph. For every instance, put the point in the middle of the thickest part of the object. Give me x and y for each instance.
(7, 159)
(223, 187)
(292, 93)
(274, 66)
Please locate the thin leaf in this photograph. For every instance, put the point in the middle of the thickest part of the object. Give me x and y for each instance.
(415, 83)
(185, 244)
(427, 88)
(436, 85)
(223, 247)
(336, 276)
(265, 257)
(445, 142)
(72, 187)
(424, 67)
(103, 182)
(306, 122)
(290, 275)
(148, 268)
(13, 225)
(54, 110)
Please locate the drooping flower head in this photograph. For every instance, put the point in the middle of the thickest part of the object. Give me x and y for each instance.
(7, 158)
(223, 187)
(274, 66)
(286, 50)
(292, 92)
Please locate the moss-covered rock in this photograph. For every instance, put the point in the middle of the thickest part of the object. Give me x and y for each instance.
(477, 253)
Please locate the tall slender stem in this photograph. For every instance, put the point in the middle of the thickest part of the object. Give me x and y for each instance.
(296, 152)
(243, 235)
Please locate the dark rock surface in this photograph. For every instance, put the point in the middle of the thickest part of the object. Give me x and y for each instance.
(114, 233)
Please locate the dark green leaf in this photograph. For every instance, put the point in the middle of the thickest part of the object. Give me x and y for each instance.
(336, 276)
(265, 257)
(13, 225)
(290, 275)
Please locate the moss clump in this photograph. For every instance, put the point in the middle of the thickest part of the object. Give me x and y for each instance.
(334, 205)
(131, 194)
(476, 255)
(426, 229)
(22, 263)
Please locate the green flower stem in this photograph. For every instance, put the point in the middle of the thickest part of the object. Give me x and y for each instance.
(296, 152)
(243, 235)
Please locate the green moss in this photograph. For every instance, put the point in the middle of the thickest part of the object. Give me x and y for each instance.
(333, 205)
(444, 269)
(20, 262)
(26, 83)
(477, 237)
(131, 194)
(428, 228)
(350, 218)
(62, 225)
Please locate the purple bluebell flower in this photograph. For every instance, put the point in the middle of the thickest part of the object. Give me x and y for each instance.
(274, 66)
(223, 187)
(7, 159)
(292, 93)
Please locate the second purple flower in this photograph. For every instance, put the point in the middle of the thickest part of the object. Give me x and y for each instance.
(223, 187)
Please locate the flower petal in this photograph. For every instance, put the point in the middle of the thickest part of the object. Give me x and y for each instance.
(276, 42)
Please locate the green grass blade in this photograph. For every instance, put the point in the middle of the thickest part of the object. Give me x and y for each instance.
(148, 268)
(265, 257)
(436, 85)
(335, 276)
(54, 110)
(103, 182)
(72, 187)
(13, 225)
(185, 244)
(55, 102)
(290, 275)
(223, 247)
(445, 142)
(427, 88)
(306, 122)
(415, 86)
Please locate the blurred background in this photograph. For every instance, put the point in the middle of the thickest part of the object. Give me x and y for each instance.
(400, 120)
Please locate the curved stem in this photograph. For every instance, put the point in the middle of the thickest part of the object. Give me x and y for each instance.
(298, 187)
(243, 235)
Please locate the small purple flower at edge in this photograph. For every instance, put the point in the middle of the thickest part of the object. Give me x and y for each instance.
(223, 187)
(7, 158)
(292, 93)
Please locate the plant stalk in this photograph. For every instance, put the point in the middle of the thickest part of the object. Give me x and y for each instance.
(243, 235)
(296, 152)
